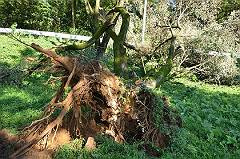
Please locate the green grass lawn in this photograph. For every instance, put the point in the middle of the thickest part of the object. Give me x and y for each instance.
(210, 113)
(211, 120)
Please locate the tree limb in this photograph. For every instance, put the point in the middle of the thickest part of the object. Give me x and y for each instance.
(64, 61)
(96, 36)
(88, 7)
(158, 47)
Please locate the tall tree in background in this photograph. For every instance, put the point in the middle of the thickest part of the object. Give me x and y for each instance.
(73, 2)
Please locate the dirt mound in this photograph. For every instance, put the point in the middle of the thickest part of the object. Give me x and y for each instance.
(7, 142)
(10, 143)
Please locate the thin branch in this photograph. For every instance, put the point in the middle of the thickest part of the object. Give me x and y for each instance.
(158, 47)
(96, 36)
(71, 75)
(167, 26)
(97, 6)
(11, 36)
(88, 7)
(130, 46)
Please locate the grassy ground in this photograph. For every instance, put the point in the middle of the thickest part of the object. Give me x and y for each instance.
(20, 102)
(210, 113)
(211, 120)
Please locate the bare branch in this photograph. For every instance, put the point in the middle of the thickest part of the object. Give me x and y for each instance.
(158, 47)
(88, 7)
(97, 6)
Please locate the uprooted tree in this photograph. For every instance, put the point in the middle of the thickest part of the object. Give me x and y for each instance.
(92, 100)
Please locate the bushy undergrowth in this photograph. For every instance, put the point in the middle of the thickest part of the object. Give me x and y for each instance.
(210, 113)
(214, 69)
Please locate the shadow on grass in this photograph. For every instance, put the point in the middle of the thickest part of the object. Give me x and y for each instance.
(6, 144)
(28, 52)
(21, 99)
(19, 106)
(9, 75)
(14, 74)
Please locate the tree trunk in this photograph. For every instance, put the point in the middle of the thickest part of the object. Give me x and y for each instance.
(120, 56)
(102, 46)
(74, 14)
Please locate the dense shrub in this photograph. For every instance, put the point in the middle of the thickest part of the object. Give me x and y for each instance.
(212, 53)
(34, 14)
(215, 68)
(48, 15)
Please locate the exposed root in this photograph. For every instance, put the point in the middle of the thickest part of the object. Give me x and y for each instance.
(94, 105)
(33, 139)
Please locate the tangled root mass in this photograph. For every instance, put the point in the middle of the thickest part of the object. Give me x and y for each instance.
(91, 100)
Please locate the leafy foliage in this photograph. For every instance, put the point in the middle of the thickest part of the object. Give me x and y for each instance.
(33, 14)
(48, 15)
(227, 7)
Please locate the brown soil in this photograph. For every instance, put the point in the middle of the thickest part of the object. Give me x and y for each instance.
(9, 143)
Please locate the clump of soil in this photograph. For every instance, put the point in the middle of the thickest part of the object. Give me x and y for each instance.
(10, 143)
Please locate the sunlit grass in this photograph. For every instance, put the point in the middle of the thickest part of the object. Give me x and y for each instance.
(20, 103)
(211, 119)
